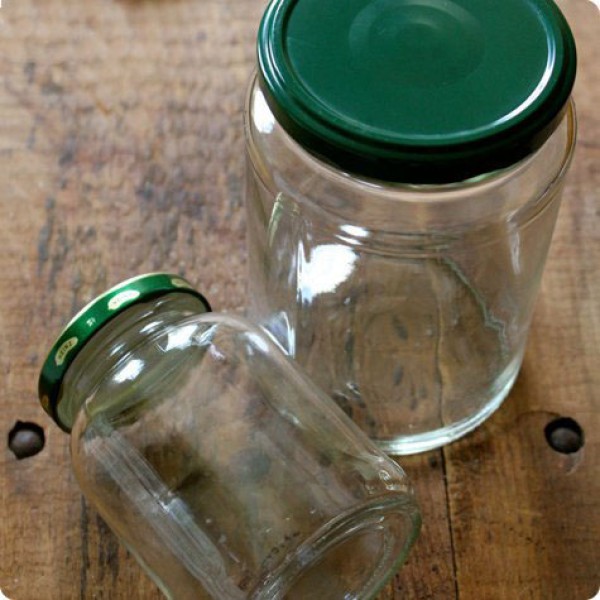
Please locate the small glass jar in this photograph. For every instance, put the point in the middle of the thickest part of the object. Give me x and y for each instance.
(222, 468)
(405, 167)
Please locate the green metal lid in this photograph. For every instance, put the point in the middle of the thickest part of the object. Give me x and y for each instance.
(417, 91)
(92, 318)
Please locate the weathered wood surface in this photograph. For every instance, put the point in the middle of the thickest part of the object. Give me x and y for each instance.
(121, 151)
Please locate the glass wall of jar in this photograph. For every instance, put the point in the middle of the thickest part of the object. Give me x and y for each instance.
(403, 274)
(220, 466)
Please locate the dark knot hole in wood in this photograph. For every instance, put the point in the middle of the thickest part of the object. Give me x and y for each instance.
(564, 435)
(26, 439)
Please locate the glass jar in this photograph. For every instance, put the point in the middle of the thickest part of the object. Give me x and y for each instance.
(405, 167)
(219, 465)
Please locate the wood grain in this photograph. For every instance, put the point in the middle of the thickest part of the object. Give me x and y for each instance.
(526, 519)
(121, 151)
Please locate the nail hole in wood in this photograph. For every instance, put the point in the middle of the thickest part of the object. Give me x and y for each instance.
(564, 435)
(26, 439)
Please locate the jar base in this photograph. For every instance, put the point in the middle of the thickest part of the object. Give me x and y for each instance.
(430, 440)
(375, 539)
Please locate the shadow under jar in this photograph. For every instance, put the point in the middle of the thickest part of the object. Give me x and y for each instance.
(222, 468)
(405, 167)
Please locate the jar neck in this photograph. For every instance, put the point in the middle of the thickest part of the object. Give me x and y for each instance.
(282, 168)
(115, 341)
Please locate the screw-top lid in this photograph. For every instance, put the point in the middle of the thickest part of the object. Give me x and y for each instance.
(417, 91)
(92, 318)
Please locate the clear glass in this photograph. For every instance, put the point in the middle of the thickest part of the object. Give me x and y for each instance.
(223, 469)
(409, 305)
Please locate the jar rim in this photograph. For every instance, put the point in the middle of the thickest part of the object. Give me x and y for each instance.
(405, 191)
(93, 317)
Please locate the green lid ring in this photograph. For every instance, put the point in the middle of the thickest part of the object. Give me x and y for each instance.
(412, 159)
(270, 61)
(95, 315)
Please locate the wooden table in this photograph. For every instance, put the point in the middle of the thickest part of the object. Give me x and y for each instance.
(121, 152)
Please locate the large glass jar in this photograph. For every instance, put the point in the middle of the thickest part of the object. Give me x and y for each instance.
(220, 466)
(405, 167)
